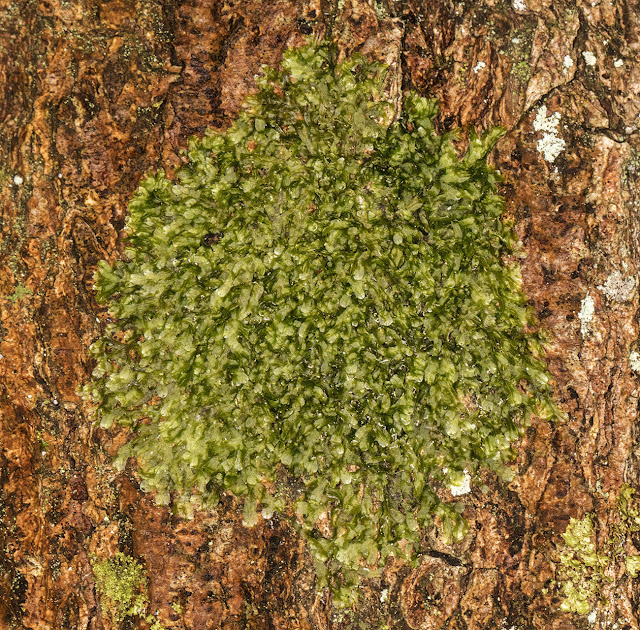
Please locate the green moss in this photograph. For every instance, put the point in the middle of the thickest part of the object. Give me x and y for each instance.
(583, 570)
(122, 584)
(583, 567)
(322, 297)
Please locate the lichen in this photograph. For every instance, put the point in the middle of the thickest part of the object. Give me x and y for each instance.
(322, 297)
(634, 360)
(587, 310)
(481, 65)
(518, 49)
(462, 486)
(583, 567)
(550, 144)
(618, 288)
(19, 293)
(522, 72)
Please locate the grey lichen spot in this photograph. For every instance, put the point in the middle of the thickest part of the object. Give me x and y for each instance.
(586, 313)
(634, 360)
(550, 144)
(618, 288)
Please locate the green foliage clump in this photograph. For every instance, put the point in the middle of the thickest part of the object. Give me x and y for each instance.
(122, 584)
(324, 299)
(584, 569)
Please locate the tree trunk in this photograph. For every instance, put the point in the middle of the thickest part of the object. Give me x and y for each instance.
(94, 95)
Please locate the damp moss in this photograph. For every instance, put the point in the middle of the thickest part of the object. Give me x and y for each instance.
(122, 584)
(325, 298)
(584, 569)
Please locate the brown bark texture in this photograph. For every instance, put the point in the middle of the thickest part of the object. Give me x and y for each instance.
(95, 94)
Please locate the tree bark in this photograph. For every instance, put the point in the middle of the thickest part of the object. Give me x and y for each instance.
(94, 95)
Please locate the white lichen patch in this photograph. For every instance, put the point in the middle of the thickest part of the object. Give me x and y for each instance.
(586, 314)
(17, 180)
(551, 144)
(618, 288)
(618, 63)
(479, 66)
(634, 361)
(464, 487)
(589, 58)
(547, 124)
(519, 5)
(567, 62)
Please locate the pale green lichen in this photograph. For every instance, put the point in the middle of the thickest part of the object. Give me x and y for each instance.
(19, 293)
(632, 565)
(518, 49)
(584, 568)
(634, 360)
(522, 71)
(321, 298)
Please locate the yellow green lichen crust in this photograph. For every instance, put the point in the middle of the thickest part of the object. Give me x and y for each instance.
(321, 297)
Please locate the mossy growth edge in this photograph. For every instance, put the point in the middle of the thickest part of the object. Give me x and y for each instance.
(322, 314)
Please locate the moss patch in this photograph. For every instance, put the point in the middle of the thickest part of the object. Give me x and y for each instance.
(122, 584)
(324, 297)
(584, 567)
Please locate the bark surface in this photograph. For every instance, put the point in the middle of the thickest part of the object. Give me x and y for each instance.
(94, 95)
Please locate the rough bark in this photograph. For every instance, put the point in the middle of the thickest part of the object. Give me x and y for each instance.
(93, 95)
